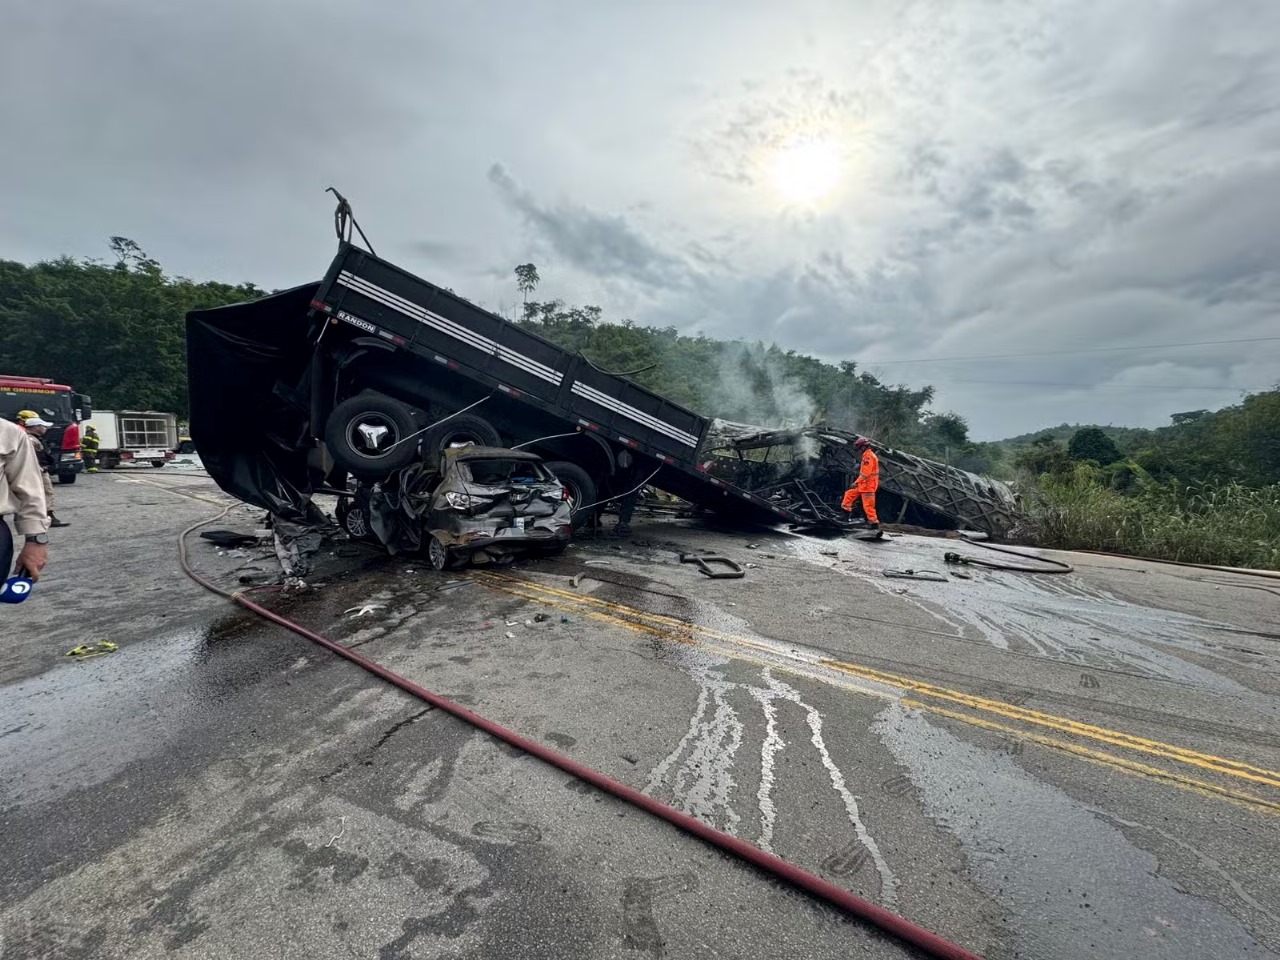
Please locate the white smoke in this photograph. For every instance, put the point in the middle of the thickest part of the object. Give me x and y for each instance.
(751, 386)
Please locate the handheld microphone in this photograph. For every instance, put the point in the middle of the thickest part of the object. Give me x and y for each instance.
(15, 589)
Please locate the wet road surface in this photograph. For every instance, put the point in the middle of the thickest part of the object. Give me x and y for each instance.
(1049, 767)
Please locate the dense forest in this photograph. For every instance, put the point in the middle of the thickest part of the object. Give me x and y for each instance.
(113, 330)
(1206, 487)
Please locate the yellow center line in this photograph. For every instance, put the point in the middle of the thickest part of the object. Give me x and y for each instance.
(1107, 759)
(633, 618)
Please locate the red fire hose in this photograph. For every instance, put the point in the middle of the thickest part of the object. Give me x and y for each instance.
(900, 927)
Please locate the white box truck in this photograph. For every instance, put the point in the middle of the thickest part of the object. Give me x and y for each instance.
(134, 436)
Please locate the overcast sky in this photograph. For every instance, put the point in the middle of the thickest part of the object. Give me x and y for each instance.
(875, 181)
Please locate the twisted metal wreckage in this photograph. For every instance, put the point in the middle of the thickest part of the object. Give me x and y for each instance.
(807, 470)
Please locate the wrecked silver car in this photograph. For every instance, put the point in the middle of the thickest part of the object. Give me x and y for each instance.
(474, 504)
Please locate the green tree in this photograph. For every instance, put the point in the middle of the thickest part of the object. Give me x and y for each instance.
(1090, 443)
(1045, 455)
(527, 279)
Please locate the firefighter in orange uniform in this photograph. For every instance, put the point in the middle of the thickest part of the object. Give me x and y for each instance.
(866, 485)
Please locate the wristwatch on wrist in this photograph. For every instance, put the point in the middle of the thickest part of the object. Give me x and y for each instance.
(40, 538)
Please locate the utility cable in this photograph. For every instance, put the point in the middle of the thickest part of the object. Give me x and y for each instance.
(1058, 566)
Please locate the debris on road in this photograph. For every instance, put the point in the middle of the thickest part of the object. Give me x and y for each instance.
(366, 609)
(577, 580)
(731, 571)
(917, 575)
(87, 652)
(598, 563)
(228, 539)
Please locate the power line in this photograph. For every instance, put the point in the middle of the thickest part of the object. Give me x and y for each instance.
(1106, 386)
(1063, 353)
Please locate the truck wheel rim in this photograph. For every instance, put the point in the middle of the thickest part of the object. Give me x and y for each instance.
(372, 435)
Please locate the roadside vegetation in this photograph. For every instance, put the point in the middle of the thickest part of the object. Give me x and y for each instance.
(1205, 489)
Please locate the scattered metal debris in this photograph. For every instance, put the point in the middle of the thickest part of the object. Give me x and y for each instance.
(917, 575)
(731, 571)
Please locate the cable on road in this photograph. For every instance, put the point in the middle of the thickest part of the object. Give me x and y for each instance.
(926, 940)
(1057, 566)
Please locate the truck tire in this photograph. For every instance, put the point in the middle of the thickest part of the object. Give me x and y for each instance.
(459, 431)
(66, 478)
(366, 436)
(158, 463)
(582, 490)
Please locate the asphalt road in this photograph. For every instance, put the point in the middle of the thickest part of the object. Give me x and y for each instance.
(1034, 766)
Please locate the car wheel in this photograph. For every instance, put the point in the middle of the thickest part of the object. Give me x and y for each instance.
(437, 553)
(369, 436)
(353, 517)
(581, 489)
(461, 430)
(66, 478)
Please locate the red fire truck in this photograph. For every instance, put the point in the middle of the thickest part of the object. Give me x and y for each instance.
(57, 403)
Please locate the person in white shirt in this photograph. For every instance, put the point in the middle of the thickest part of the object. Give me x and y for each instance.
(22, 495)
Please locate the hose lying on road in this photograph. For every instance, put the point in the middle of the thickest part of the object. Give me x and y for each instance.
(1058, 566)
(900, 927)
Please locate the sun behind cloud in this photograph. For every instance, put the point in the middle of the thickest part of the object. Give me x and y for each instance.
(805, 171)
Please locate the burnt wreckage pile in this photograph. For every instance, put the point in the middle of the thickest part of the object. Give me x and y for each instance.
(806, 471)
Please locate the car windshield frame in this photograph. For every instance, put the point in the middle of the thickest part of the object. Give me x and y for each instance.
(491, 478)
